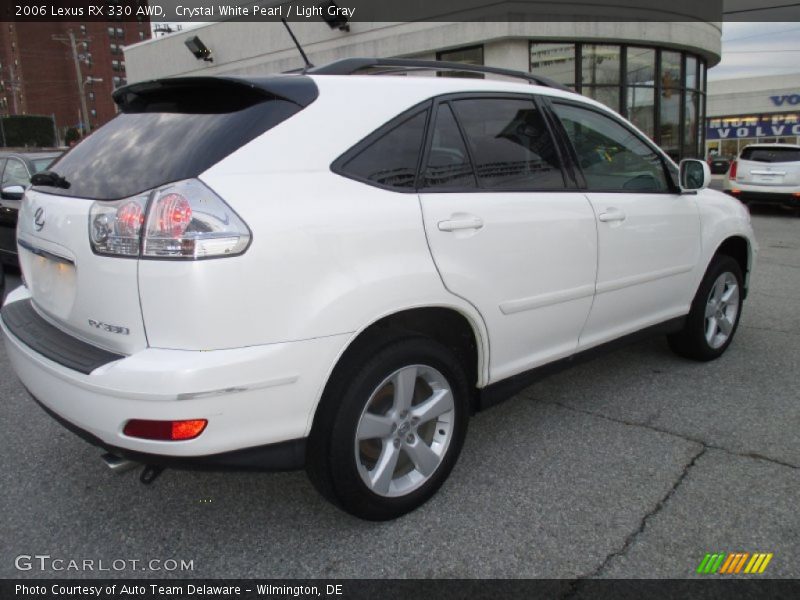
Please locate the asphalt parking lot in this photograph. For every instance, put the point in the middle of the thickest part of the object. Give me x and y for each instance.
(633, 465)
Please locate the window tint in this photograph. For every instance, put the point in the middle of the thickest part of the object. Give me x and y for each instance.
(392, 159)
(510, 144)
(611, 156)
(167, 134)
(448, 161)
(771, 155)
(15, 174)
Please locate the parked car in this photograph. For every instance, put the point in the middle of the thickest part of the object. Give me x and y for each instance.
(16, 169)
(333, 271)
(719, 164)
(766, 173)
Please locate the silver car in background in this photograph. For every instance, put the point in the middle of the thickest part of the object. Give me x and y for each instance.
(766, 173)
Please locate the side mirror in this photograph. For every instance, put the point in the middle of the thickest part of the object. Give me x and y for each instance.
(694, 175)
(12, 192)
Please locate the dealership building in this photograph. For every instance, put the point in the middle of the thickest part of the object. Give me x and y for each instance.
(653, 72)
(756, 109)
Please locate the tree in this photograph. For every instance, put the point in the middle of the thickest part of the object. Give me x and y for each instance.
(72, 136)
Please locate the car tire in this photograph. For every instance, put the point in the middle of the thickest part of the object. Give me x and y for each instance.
(715, 312)
(390, 427)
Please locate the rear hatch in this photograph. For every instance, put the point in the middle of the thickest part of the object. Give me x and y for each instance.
(168, 131)
(770, 165)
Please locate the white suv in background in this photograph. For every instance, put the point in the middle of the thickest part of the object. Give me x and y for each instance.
(333, 271)
(766, 173)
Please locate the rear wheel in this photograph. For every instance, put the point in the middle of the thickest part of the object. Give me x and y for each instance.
(390, 428)
(715, 313)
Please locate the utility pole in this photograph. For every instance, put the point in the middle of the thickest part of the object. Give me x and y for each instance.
(76, 59)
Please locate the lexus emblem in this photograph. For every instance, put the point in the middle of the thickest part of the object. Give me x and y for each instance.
(38, 219)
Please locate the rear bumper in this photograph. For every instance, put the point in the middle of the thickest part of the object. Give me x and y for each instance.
(252, 398)
(766, 198)
(786, 195)
(283, 456)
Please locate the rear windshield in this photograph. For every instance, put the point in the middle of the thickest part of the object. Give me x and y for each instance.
(771, 155)
(163, 138)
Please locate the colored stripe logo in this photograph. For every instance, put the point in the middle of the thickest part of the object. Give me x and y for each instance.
(733, 563)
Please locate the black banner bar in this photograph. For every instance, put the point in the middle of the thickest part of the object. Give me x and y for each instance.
(337, 11)
(714, 587)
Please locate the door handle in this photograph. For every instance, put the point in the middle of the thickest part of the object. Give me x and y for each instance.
(612, 215)
(461, 224)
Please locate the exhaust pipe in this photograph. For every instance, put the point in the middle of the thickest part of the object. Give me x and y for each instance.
(117, 463)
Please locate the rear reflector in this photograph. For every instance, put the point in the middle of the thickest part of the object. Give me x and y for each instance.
(170, 431)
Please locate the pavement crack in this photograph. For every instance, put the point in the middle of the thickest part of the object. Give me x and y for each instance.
(631, 537)
(647, 425)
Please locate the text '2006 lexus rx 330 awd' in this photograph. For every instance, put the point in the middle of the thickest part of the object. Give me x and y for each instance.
(332, 271)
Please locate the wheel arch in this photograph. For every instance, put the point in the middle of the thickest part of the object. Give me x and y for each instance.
(463, 333)
(738, 248)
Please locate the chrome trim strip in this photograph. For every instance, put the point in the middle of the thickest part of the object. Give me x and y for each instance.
(43, 253)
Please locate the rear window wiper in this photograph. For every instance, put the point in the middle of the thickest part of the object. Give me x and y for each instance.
(50, 178)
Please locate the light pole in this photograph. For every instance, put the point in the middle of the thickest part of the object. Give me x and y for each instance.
(70, 40)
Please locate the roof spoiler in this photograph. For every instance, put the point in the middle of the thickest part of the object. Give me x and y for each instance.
(212, 94)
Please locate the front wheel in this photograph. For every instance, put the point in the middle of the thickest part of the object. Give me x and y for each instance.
(715, 313)
(390, 428)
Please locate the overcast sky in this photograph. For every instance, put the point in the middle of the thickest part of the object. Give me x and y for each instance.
(752, 49)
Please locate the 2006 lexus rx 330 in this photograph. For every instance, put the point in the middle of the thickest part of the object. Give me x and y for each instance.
(332, 271)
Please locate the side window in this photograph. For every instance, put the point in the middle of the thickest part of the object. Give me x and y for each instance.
(510, 144)
(448, 162)
(392, 159)
(15, 174)
(611, 156)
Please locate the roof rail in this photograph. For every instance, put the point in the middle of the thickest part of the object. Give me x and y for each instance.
(351, 66)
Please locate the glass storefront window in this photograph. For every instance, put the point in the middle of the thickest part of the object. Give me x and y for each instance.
(641, 109)
(556, 61)
(662, 92)
(641, 66)
(607, 95)
(691, 73)
(690, 130)
(729, 148)
(471, 56)
(600, 64)
(670, 69)
(670, 123)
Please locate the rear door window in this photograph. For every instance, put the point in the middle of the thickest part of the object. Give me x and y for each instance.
(448, 164)
(771, 155)
(391, 160)
(510, 144)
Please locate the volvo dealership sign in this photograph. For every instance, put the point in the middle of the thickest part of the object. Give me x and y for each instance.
(752, 128)
(790, 99)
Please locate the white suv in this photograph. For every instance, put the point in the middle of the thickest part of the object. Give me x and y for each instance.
(766, 173)
(334, 271)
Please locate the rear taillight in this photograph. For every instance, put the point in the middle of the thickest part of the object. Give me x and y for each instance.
(183, 220)
(732, 172)
(168, 431)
